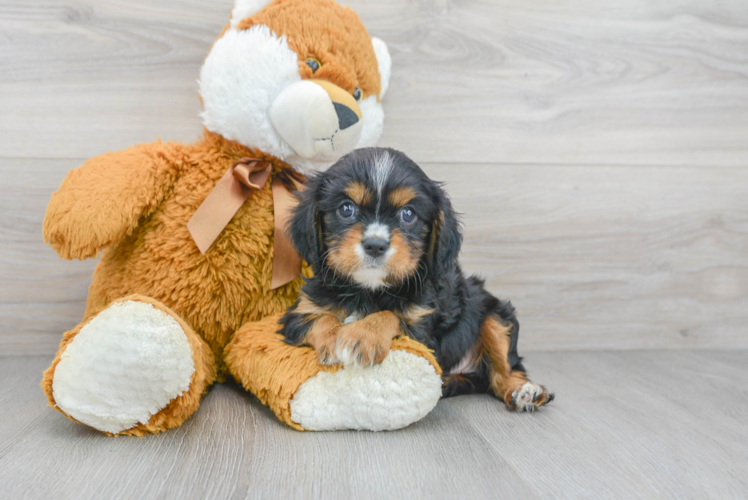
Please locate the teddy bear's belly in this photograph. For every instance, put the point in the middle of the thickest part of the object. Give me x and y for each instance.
(215, 293)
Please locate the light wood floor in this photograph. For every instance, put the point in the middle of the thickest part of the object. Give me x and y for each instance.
(598, 151)
(631, 424)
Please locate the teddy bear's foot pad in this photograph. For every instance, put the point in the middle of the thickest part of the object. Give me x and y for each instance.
(388, 396)
(124, 366)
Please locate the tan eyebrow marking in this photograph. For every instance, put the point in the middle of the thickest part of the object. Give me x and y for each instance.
(402, 196)
(358, 193)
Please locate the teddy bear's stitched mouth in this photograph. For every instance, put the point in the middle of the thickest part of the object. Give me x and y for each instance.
(331, 139)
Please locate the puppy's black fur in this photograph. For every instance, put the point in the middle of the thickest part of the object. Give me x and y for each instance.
(456, 306)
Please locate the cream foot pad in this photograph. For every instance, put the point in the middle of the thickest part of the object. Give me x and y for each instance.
(394, 394)
(124, 366)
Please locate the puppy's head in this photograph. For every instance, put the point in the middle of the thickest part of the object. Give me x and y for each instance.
(377, 219)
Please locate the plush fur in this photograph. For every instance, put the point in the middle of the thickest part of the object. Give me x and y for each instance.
(140, 343)
(243, 74)
(178, 409)
(132, 208)
(402, 389)
(148, 248)
(308, 395)
(261, 55)
(383, 240)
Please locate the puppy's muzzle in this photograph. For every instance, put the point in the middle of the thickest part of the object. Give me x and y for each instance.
(375, 247)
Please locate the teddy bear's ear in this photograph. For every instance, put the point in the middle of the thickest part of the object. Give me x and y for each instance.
(245, 8)
(385, 64)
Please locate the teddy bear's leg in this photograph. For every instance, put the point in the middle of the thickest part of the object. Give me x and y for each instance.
(306, 395)
(134, 368)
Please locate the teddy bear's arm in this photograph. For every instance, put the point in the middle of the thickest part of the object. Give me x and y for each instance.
(103, 200)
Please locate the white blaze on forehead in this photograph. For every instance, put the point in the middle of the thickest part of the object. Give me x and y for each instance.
(380, 173)
(377, 230)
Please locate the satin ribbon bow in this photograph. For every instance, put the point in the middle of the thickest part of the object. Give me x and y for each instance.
(228, 196)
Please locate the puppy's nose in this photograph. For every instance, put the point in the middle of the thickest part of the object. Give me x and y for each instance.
(375, 247)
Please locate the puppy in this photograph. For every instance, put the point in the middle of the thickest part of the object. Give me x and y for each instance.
(383, 242)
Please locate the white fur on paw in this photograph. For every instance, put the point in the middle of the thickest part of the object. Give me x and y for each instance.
(124, 366)
(401, 390)
(350, 319)
(526, 397)
(345, 356)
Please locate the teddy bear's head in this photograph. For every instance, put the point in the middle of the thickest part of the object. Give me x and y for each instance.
(298, 79)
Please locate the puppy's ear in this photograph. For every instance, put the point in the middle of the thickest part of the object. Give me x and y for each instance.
(305, 229)
(445, 239)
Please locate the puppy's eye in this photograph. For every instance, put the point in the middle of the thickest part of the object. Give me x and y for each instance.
(347, 210)
(313, 63)
(357, 94)
(408, 215)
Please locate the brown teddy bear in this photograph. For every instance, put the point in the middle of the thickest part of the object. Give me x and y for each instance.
(191, 239)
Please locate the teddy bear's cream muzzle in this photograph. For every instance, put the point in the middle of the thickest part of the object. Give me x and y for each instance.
(318, 119)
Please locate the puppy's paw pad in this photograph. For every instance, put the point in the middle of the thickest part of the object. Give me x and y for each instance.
(529, 397)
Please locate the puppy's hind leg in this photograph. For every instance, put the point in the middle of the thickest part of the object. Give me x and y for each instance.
(466, 383)
(507, 378)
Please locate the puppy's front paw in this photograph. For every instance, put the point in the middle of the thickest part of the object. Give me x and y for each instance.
(529, 397)
(359, 343)
(326, 353)
(322, 338)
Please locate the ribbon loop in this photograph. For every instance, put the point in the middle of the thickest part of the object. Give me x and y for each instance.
(252, 174)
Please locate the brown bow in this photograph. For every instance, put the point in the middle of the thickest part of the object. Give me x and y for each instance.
(227, 197)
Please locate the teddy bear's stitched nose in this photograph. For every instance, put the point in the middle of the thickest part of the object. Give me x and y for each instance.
(346, 116)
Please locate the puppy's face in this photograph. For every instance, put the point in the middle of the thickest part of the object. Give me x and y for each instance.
(376, 218)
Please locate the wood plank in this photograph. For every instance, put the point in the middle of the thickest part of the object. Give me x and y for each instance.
(593, 257)
(41, 295)
(624, 425)
(582, 82)
(22, 404)
(610, 257)
(235, 448)
(628, 425)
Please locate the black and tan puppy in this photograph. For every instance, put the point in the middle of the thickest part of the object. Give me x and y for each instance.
(383, 240)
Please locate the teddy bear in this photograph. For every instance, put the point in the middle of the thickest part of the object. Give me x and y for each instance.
(195, 269)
